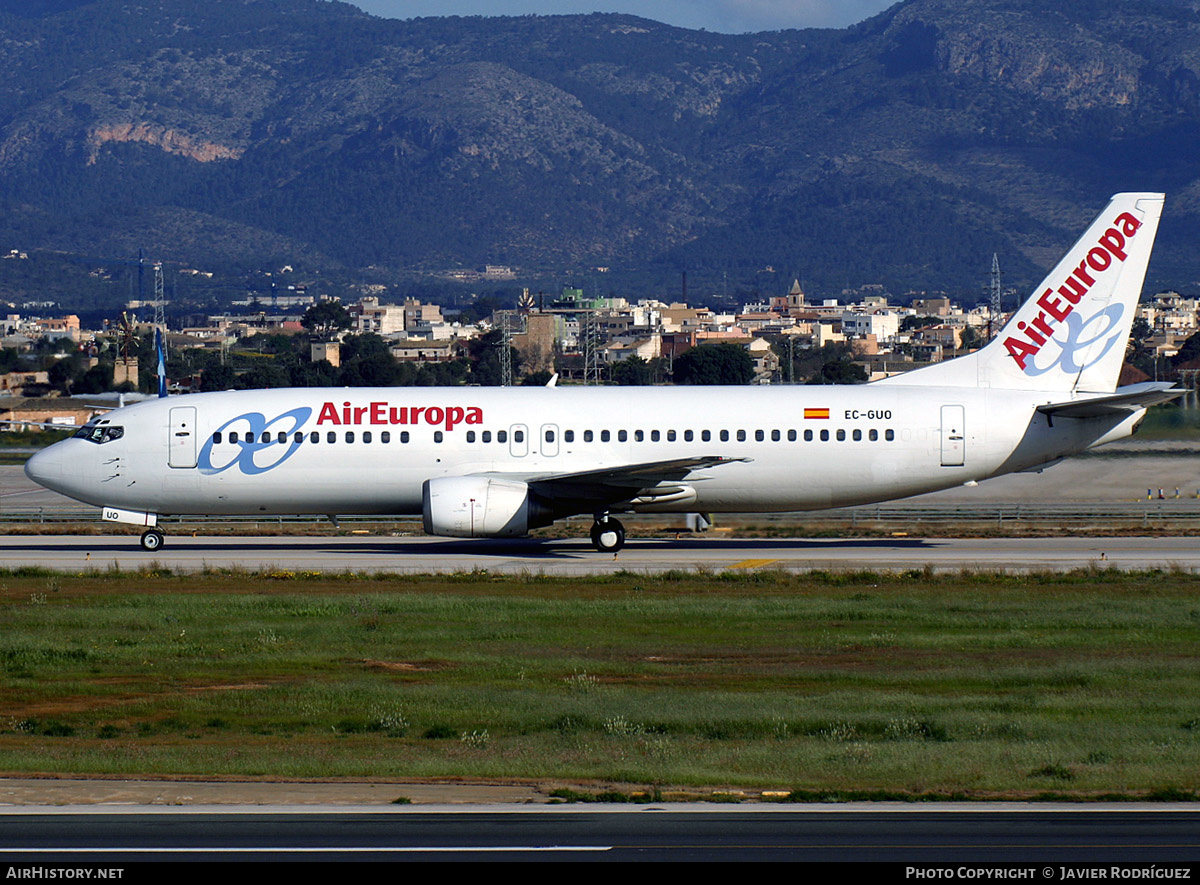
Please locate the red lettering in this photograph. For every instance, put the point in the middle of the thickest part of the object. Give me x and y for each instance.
(1099, 259)
(1053, 306)
(1072, 290)
(383, 413)
(1110, 245)
(1033, 336)
(1043, 326)
(1019, 350)
(1129, 224)
(1114, 243)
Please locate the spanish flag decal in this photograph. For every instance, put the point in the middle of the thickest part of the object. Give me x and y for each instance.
(816, 413)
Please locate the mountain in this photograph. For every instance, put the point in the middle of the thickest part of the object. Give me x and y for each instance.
(906, 149)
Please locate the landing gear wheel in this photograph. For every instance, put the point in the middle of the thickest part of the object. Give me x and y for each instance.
(608, 536)
(152, 540)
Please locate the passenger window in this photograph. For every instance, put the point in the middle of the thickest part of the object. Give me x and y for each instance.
(385, 436)
(824, 436)
(841, 435)
(857, 436)
(437, 436)
(331, 436)
(808, 436)
(705, 435)
(501, 436)
(791, 436)
(281, 437)
(889, 435)
(249, 436)
(315, 436)
(217, 438)
(605, 436)
(404, 436)
(724, 436)
(638, 436)
(774, 436)
(741, 436)
(349, 436)
(549, 436)
(518, 436)
(470, 436)
(487, 436)
(568, 436)
(366, 436)
(873, 435)
(299, 437)
(759, 436)
(587, 436)
(687, 436)
(266, 437)
(670, 435)
(622, 436)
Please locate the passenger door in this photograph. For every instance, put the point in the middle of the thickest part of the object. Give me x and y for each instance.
(954, 436)
(181, 450)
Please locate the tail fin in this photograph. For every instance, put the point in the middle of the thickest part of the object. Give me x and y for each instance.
(1072, 332)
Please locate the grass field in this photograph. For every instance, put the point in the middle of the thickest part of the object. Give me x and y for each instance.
(910, 685)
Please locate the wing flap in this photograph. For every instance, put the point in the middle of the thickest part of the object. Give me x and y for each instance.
(622, 482)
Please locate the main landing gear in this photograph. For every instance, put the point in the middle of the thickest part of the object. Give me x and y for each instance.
(608, 535)
(152, 540)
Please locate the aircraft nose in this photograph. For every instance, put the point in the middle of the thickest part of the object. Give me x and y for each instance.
(46, 468)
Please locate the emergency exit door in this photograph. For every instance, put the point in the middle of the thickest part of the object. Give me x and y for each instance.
(954, 436)
(182, 444)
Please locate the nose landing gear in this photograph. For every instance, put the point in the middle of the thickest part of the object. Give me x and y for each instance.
(152, 540)
(608, 535)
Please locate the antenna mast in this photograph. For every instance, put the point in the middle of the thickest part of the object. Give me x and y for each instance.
(994, 312)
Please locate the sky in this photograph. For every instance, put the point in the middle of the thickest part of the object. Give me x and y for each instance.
(722, 16)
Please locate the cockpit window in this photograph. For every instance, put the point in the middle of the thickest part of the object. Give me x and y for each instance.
(99, 434)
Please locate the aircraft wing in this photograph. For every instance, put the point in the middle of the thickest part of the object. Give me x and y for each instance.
(612, 484)
(1124, 400)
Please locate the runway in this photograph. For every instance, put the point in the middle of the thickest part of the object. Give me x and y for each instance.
(965, 835)
(421, 555)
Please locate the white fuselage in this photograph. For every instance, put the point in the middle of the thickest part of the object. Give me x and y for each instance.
(802, 448)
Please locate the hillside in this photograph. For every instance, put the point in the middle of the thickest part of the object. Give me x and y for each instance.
(905, 149)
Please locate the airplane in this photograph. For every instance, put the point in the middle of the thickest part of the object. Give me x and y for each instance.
(498, 462)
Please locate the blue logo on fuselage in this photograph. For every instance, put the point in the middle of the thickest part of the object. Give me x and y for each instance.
(253, 447)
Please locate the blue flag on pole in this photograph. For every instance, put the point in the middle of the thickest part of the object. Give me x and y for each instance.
(162, 362)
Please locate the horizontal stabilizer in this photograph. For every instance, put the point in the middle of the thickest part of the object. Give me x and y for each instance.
(1123, 401)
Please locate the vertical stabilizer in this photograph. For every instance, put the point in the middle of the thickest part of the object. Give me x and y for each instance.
(1072, 333)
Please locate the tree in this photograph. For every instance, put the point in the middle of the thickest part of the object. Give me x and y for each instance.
(325, 318)
(714, 364)
(839, 371)
(218, 378)
(484, 353)
(631, 371)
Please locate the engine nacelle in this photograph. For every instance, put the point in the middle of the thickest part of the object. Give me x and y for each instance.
(481, 507)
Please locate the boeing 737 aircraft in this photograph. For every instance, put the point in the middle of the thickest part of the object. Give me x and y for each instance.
(497, 462)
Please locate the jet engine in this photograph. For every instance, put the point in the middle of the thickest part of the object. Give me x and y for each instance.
(481, 507)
